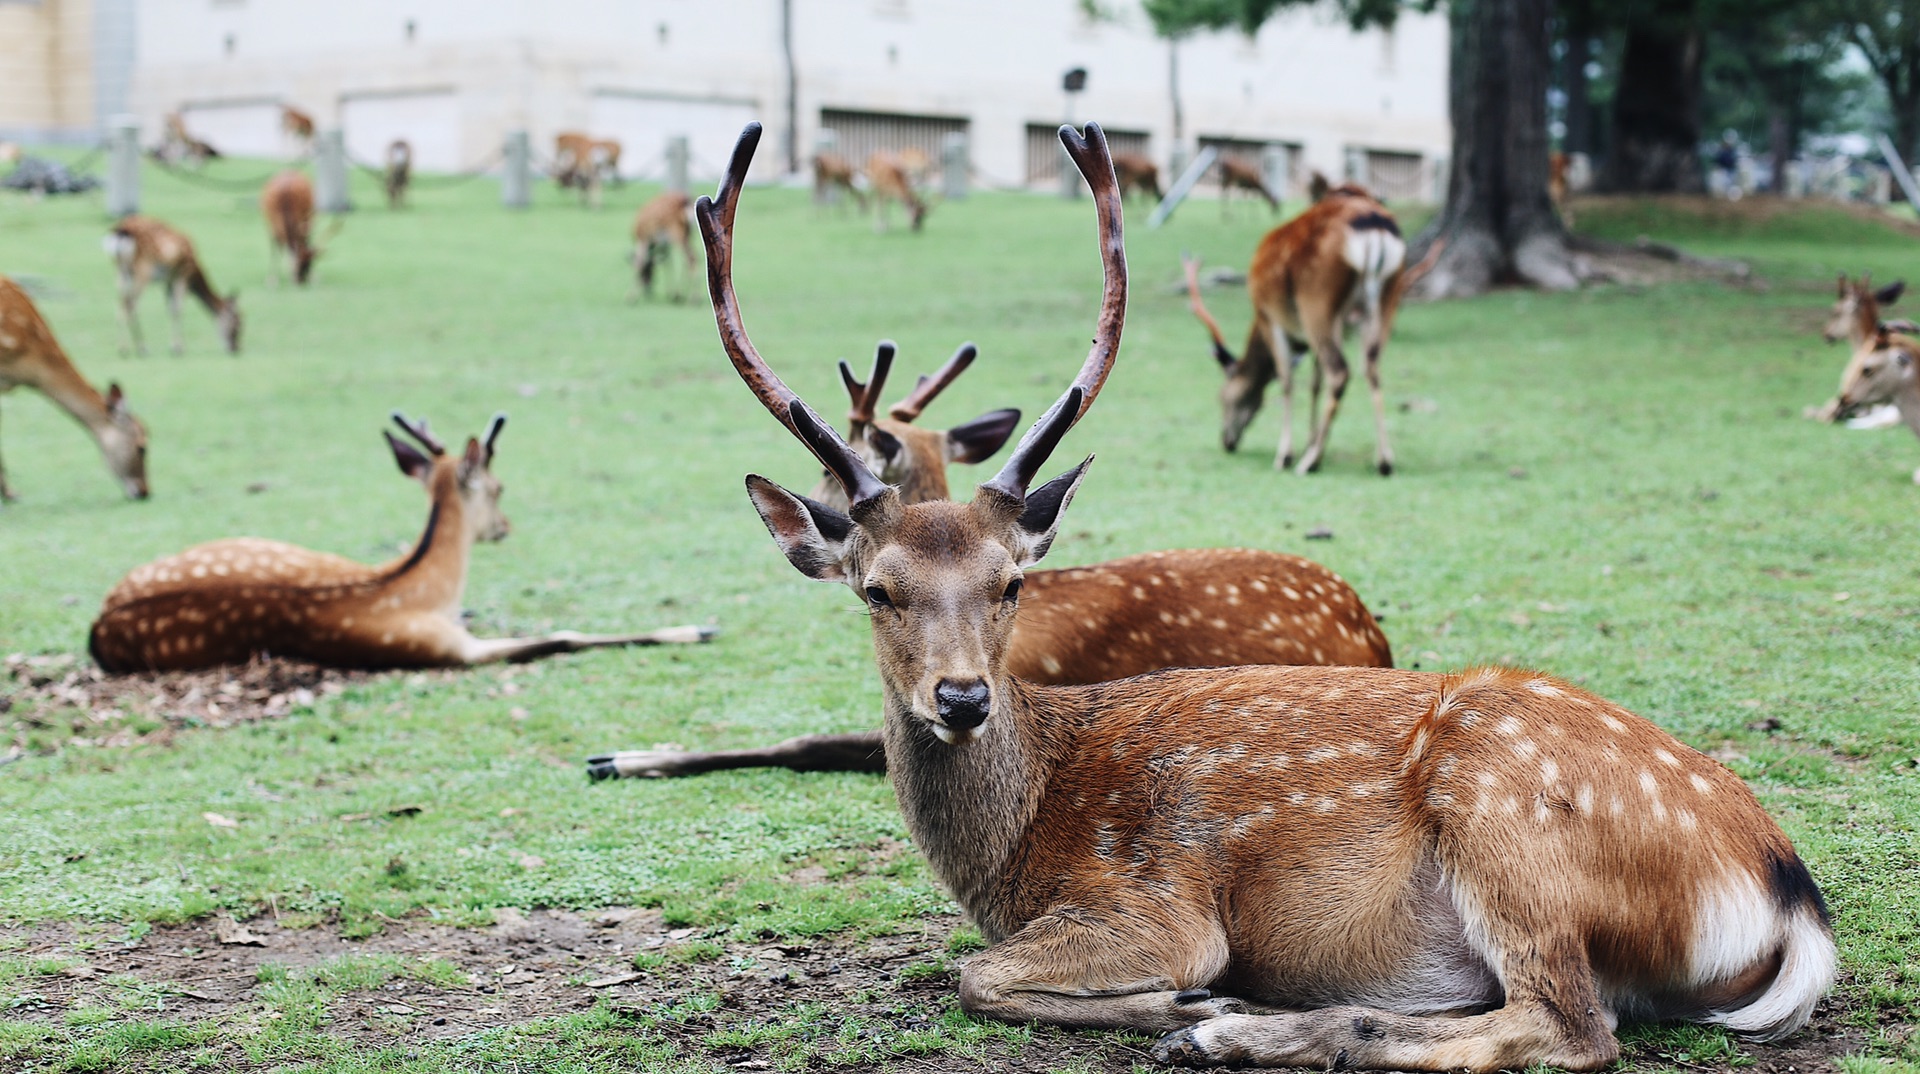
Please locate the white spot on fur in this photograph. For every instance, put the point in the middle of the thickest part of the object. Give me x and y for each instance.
(1508, 726)
(1543, 688)
(1699, 783)
(1667, 758)
(1549, 771)
(1612, 724)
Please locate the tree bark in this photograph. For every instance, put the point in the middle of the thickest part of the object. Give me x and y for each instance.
(1656, 109)
(1498, 224)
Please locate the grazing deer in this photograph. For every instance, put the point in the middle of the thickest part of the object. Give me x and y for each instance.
(1377, 869)
(1137, 171)
(143, 250)
(297, 124)
(1344, 253)
(226, 601)
(1211, 607)
(1882, 372)
(585, 163)
(1856, 319)
(287, 203)
(890, 181)
(1236, 174)
(831, 172)
(659, 226)
(399, 172)
(31, 358)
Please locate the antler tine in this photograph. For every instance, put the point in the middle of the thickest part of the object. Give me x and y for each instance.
(864, 397)
(418, 430)
(927, 388)
(1095, 162)
(716, 233)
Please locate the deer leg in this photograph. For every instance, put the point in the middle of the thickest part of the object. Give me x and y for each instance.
(176, 287)
(1285, 357)
(517, 650)
(1327, 351)
(1553, 1017)
(859, 752)
(129, 320)
(1086, 969)
(6, 490)
(1382, 452)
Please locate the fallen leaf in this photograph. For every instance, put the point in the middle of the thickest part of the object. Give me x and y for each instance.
(616, 979)
(229, 931)
(219, 821)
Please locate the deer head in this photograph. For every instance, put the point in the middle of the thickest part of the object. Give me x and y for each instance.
(941, 580)
(468, 473)
(1858, 304)
(226, 318)
(123, 440)
(1247, 377)
(1876, 373)
(903, 454)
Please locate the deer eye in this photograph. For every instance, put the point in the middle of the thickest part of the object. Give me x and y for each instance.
(1013, 591)
(877, 597)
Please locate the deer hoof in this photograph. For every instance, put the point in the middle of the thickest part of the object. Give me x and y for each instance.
(1192, 995)
(1181, 1048)
(1386, 467)
(602, 767)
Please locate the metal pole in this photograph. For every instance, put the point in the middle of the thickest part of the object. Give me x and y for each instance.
(953, 165)
(677, 163)
(330, 171)
(123, 166)
(516, 176)
(1273, 169)
(1900, 173)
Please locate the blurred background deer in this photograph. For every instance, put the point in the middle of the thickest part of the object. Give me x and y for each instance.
(31, 358)
(145, 250)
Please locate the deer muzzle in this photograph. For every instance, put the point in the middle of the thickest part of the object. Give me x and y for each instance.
(962, 705)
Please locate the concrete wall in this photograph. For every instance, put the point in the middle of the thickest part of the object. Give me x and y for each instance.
(46, 69)
(644, 65)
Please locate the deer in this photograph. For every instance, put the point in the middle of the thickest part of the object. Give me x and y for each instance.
(831, 172)
(144, 250)
(224, 602)
(399, 172)
(31, 357)
(1355, 868)
(889, 180)
(1344, 254)
(179, 144)
(1236, 174)
(585, 163)
(297, 124)
(1881, 372)
(287, 203)
(1557, 187)
(1208, 607)
(1856, 318)
(659, 226)
(1138, 172)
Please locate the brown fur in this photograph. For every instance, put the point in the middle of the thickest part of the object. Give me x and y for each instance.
(1137, 172)
(1557, 165)
(143, 250)
(399, 173)
(832, 171)
(31, 358)
(1239, 175)
(1885, 369)
(1856, 319)
(585, 163)
(889, 180)
(287, 203)
(296, 123)
(227, 601)
(180, 145)
(659, 226)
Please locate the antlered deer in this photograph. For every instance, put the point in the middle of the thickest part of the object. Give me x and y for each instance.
(1882, 371)
(659, 226)
(1236, 174)
(1344, 253)
(1208, 607)
(831, 171)
(889, 180)
(143, 250)
(287, 203)
(225, 601)
(1137, 172)
(1387, 869)
(31, 358)
(399, 173)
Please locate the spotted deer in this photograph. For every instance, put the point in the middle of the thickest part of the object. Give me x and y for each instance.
(659, 226)
(1209, 607)
(831, 172)
(1237, 174)
(889, 180)
(399, 172)
(145, 250)
(1882, 372)
(1314, 867)
(1856, 318)
(1138, 172)
(225, 602)
(31, 358)
(287, 203)
(1343, 254)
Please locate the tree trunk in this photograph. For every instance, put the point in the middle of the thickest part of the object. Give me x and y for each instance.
(1656, 111)
(1781, 138)
(1499, 225)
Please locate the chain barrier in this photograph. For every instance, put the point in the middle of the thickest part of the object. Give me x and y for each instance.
(213, 181)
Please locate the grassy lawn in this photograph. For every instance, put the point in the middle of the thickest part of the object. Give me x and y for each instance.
(1614, 486)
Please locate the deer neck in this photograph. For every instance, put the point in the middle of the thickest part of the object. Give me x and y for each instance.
(967, 805)
(197, 284)
(56, 378)
(434, 573)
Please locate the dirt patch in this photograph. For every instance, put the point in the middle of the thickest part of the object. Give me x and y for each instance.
(709, 994)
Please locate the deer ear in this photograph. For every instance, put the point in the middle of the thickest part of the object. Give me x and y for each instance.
(884, 442)
(1039, 521)
(116, 399)
(814, 537)
(1317, 187)
(1889, 294)
(412, 463)
(977, 440)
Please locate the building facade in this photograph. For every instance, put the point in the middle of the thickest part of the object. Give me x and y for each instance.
(453, 76)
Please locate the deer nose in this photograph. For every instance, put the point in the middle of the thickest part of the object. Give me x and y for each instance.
(962, 705)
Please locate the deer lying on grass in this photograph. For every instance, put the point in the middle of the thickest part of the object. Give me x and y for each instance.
(287, 203)
(1378, 869)
(143, 250)
(31, 358)
(1882, 372)
(831, 171)
(1856, 319)
(399, 173)
(1210, 607)
(226, 601)
(1237, 174)
(659, 226)
(1344, 253)
(1137, 172)
(297, 124)
(889, 180)
(177, 144)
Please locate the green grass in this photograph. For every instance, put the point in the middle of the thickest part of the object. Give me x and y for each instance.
(1679, 541)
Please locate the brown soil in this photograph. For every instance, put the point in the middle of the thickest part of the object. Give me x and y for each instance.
(531, 966)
